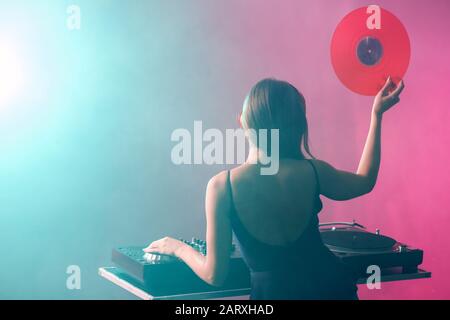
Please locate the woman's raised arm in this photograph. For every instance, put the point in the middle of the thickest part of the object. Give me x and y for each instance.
(341, 185)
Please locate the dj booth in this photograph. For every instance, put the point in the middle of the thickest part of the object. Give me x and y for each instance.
(123, 280)
(155, 277)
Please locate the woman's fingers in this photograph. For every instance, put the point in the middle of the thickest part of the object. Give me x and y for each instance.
(394, 97)
(152, 247)
(387, 85)
(148, 249)
(399, 89)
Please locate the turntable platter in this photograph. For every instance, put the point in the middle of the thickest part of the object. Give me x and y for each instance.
(348, 240)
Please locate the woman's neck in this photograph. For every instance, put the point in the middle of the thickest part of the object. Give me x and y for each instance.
(254, 155)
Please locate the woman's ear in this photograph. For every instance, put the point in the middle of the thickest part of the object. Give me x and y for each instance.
(239, 120)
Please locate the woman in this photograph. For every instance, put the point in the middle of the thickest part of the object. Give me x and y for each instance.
(274, 217)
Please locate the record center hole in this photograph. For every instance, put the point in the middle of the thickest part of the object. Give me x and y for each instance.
(369, 51)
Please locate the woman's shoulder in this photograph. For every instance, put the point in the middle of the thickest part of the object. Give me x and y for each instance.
(219, 181)
(321, 166)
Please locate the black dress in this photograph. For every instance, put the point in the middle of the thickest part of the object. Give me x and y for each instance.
(305, 269)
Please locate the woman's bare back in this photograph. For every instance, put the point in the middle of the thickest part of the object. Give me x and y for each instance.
(275, 209)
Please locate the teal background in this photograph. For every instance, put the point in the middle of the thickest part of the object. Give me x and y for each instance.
(85, 148)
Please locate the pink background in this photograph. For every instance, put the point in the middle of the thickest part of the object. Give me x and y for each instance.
(290, 40)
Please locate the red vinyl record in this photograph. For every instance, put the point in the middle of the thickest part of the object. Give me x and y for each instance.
(369, 45)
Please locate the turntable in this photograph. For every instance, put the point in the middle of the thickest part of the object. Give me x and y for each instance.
(357, 247)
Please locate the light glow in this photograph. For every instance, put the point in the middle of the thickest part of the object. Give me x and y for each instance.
(11, 74)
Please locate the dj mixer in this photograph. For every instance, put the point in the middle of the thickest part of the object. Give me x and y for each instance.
(166, 275)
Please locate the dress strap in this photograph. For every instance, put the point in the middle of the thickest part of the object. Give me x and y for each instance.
(229, 189)
(316, 174)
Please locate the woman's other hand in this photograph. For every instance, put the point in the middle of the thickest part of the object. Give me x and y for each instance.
(167, 246)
